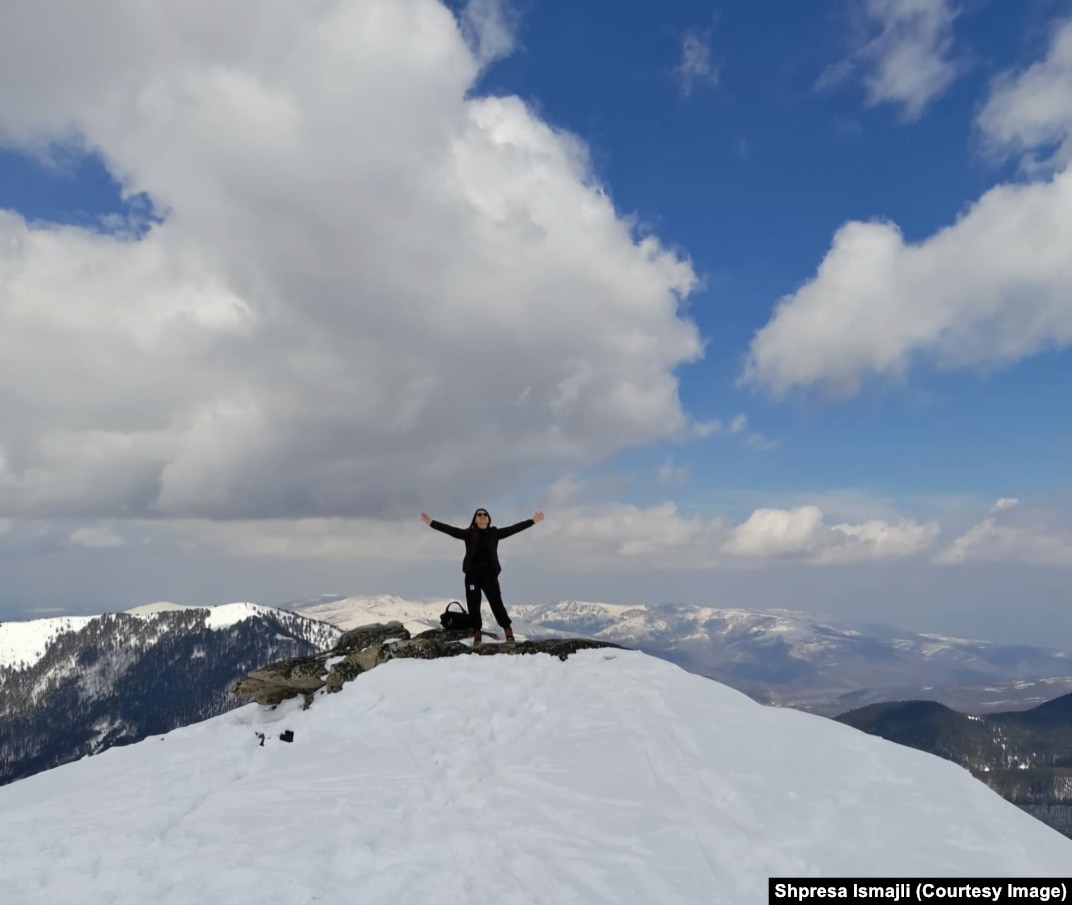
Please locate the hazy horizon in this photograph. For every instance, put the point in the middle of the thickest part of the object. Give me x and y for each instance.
(862, 598)
(764, 306)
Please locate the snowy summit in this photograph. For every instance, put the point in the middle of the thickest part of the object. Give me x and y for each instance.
(22, 644)
(610, 777)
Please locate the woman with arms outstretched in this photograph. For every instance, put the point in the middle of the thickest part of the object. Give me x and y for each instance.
(481, 564)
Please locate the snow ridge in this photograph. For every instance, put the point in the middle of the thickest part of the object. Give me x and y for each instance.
(22, 644)
(612, 777)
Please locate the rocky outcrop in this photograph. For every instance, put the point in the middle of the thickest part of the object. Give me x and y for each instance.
(365, 648)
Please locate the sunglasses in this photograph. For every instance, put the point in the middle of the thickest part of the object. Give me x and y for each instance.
(481, 514)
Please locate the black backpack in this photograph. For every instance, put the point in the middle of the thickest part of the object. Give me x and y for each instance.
(455, 621)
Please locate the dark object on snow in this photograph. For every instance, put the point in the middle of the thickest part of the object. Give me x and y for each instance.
(260, 735)
(286, 736)
(455, 621)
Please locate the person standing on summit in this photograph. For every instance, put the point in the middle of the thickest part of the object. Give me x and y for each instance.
(481, 564)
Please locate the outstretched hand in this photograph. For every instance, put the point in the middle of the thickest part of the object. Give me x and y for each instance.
(426, 518)
(538, 517)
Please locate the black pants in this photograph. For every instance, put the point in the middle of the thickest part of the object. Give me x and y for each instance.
(489, 584)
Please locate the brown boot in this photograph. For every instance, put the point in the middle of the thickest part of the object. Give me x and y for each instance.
(477, 640)
(509, 634)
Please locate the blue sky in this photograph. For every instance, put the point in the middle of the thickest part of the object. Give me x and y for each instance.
(370, 268)
(752, 172)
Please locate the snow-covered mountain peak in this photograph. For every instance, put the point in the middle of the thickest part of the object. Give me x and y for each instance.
(219, 616)
(76, 685)
(24, 643)
(231, 613)
(161, 606)
(350, 612)
(609, 777)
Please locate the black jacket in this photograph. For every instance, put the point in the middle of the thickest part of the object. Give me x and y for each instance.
(485, 541)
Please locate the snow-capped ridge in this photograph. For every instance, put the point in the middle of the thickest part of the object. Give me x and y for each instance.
(219, 616)
(22, 644)
(76, 685)
(161, 606)
(351, 612)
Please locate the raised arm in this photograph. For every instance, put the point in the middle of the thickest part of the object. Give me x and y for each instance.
(441, 526)
(520, 526)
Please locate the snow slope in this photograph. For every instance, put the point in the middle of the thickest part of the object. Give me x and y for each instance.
(612, 777)
(221, 616)
(161, 606)
(351, 612)
(24, 643)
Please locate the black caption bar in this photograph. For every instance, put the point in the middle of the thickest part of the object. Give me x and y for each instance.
(919, 889)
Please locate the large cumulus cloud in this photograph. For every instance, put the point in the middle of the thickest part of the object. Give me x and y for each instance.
(368, 289)
(990, 289)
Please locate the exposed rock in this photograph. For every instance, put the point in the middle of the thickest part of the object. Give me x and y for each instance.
(364, 648)
(281, 681)
(366, 636)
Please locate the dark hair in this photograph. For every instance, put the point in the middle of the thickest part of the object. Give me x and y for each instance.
(472, 524)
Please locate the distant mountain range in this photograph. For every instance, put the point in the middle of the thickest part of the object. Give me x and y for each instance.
(775, 656)
(75, 686)
(1024, 756)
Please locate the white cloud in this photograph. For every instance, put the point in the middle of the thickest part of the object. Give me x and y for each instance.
(600, 537)
(879, 540)
(755, 440)
(908, 62)
(802, 533)
(586, 538)
(707, 428)
(777, 532)
(695, 66)
(317, 539)
(1012, 533)
(565, 492)
(96, 536)
(991, 289)
(489, 26)
(669, 473)
(760, 442)
(1033, 110)
(372, 293)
